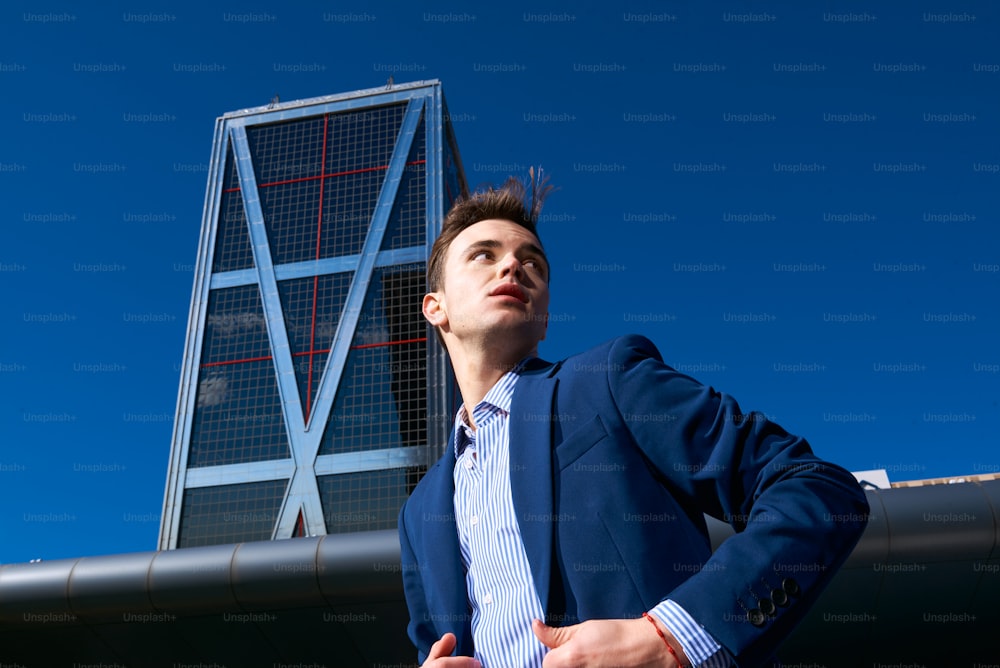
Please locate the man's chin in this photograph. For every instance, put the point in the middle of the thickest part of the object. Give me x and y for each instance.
(505, 324)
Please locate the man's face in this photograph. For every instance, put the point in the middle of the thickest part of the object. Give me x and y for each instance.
(495, 282)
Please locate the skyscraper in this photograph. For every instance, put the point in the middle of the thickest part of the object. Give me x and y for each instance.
(313, 394)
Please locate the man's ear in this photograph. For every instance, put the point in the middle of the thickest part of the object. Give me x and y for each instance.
(433, 309)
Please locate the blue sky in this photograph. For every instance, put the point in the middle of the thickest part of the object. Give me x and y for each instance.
(798, 205)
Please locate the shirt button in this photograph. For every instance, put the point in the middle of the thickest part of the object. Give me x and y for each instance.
(488, 598)
(469, 463)
(474, 520)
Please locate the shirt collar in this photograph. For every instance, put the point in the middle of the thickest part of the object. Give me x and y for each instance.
(496, 401)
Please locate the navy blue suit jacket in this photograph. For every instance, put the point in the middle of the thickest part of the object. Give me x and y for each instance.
(614, 459)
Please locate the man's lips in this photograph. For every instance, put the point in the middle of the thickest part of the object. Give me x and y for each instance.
(510, 290)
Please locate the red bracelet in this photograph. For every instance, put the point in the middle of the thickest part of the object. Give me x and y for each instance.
(660, 633)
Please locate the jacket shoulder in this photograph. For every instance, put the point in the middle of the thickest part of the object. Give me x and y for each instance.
(429, 486)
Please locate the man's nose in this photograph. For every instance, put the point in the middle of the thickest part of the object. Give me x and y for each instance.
(510, 265)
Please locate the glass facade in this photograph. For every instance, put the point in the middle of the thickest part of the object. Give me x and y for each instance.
(313, 393)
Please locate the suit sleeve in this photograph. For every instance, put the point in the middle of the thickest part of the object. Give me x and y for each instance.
(797, 517)
(421, 633)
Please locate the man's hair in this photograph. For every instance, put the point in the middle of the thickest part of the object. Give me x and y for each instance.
(516, 201)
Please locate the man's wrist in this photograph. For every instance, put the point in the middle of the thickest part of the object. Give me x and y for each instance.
(672, 645)
(701, 650)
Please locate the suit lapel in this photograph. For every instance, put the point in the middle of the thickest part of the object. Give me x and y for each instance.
(531, 469)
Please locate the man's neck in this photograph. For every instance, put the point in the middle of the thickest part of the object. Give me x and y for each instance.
(477, 374)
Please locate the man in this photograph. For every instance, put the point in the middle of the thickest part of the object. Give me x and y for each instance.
(565, 522)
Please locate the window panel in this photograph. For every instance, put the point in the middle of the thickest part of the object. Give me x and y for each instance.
(230, 513)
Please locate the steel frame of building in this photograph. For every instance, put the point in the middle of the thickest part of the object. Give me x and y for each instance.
(301, 512)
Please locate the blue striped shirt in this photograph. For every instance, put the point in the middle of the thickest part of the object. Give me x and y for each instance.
(498, 577)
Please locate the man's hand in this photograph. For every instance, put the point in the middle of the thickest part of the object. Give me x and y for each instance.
(606, 642)
(440, 655)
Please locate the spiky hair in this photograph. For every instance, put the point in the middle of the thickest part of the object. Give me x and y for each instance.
(517, 200)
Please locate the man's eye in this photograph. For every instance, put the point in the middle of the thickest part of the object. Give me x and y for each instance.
(481, 255)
